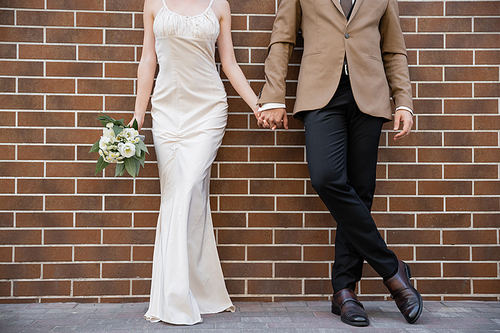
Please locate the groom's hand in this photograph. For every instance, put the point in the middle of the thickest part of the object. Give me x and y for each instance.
(273, 118)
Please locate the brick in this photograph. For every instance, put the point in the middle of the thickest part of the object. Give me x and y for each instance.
(79, 36)
(487, 24)
(441, 253)
(229, 219)
(396, 188)
(456, 220)
(251, 39)
(472, 204)
(102, 253)
(471, 73)
(428, 8)
(244, 236)
(141, 287)
(9, 152)
(445, 155)
(247, 170)
(444, 286)
(445, 89)
(99, 20)
(469, 270)
(275, 286)
(418, 204)
(386, 154)
(444, 122)
(45, 152)
(445, 188)
(427, 41)
(259, 23)
(488, 220)
(470, 106)
(50, 52)
(393, 220)
(487, 57)
(417, 171)
(45, 18)
(301, 236)
(486, 286)
(70, 169)
(427, 106)
(22, 102)
(469, 237)
(247, 269)
(106, 53)
(5, 252)
(234, 203)
(487, 155)
(413, 237)
(302, 270)
(98, 288)
(232, 154)
(72, 236)
(474, 8)
(143, 253)
(42, 186)
(487, 90)
(487, 123)
(21, 202)
(105, 186)
(7, 85)
(42, 288)
(486, 253)
(475, 171)
(71, 271)
(121, 70)
(471, 139)
(43, 253)
(259, 220)
(87, 86)
(62, 102)
(124, 236)
(442, 24)
(417, 139)
(6, 17)
(228, 186)
(44, 220)
(75, 5)
(274, 253)
(426, 73)
(252, 7)
(408, 24)
(20, 271)
(73, 202)
(278, 154)
(472, 41)
(15, 34)
(248, 138)
(132, 203)
(126, 270)
(8, 51)
(124, 37)
(74, 69)
(321, 220)
(277, 187)
(46, 119)
(323, 287)
(487, 188)
(46, 86)
(119, 5)
(69, 135)
(7, 186)
(445, 57)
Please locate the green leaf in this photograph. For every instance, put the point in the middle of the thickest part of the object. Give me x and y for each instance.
(141, 146)
(120, 169)
(101, 164)
(130, 166)
(95, 147)
(105, 119)
(117, 129)
(137, 167)
(135, 125)
(142, 158)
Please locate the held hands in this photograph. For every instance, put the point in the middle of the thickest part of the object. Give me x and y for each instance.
(140, 121)
(273, 118)
(405, 117)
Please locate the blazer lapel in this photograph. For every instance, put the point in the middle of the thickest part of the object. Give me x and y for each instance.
(354, 9)
(337, 4)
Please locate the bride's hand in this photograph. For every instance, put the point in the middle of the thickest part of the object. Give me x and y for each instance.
(140, 122)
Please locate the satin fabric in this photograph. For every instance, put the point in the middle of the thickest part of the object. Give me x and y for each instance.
(189, 111)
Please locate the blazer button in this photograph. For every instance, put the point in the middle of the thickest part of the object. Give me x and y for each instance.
(347, 36)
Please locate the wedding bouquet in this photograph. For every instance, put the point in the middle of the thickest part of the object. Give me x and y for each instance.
(120, 144)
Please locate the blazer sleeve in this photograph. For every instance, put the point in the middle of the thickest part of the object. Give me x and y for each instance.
(394, 56)
(283, 39)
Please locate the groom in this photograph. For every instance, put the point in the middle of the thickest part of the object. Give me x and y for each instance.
(354, 58)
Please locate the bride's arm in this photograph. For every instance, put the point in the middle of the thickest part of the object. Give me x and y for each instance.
(147, 65)
(227, 58)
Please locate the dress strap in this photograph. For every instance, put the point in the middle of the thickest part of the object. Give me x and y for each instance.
(164, 4)
(211, 2)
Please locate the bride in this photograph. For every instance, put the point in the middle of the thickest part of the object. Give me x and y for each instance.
(189, 111)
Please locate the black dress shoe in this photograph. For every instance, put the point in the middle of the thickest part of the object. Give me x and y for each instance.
(351, 311)
(406, 296)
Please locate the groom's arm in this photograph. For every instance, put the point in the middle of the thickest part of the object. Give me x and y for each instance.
(285, 29)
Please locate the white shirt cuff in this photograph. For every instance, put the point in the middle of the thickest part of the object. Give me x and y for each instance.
(269, 106)
(405, 108)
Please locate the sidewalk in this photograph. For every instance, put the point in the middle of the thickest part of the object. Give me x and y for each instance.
(285, 317)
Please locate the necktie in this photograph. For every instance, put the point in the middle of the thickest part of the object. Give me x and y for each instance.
(346, 6)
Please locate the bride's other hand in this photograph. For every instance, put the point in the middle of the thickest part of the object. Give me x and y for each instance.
(140, 122)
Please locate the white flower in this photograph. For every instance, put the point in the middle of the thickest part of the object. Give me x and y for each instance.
(126, 149)
(108, 132)
(109, 125)
(104, 141)
(129, 133)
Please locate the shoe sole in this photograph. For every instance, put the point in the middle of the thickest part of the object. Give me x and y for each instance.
(337, 312)
(420, 301)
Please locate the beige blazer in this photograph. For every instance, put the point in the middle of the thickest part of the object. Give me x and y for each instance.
(371, 39)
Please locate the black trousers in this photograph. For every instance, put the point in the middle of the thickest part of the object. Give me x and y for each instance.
(342, 147)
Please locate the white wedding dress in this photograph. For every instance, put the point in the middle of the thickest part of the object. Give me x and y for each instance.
(189, 111)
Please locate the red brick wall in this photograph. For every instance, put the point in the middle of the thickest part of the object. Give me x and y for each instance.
(69, 235)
